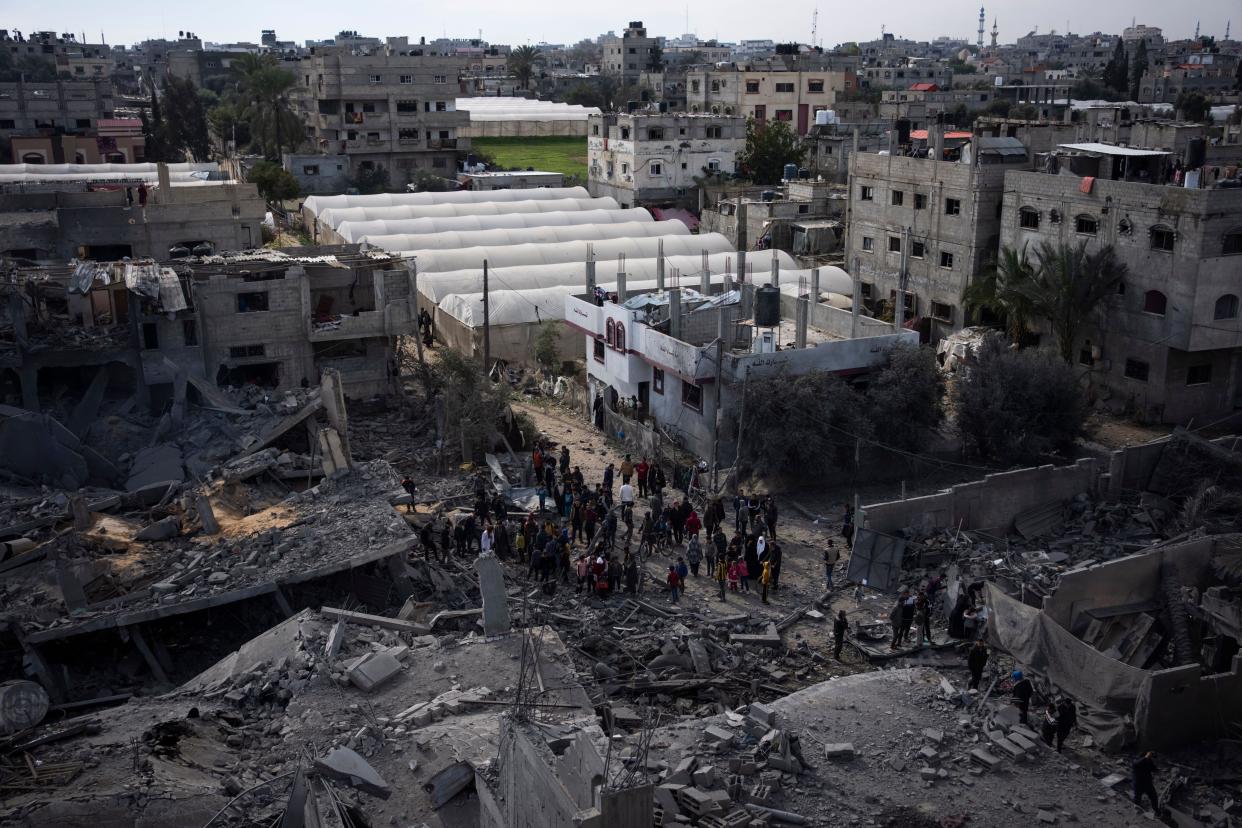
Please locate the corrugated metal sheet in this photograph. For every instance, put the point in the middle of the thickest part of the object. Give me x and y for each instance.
(172, 297)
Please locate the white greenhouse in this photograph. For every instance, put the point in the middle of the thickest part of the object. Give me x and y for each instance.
(506, 238)
(356, 231)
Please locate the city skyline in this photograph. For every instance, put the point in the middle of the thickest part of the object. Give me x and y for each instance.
(502, 24)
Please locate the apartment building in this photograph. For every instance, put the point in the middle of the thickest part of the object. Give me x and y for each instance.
(1209, 73)
(902, 73)
(927, 228)
(631, 54)
(644, 158)
(1168, 345)
(771, 91)
(62, 53)
(394, 107)
(65, 122)
(922, 102)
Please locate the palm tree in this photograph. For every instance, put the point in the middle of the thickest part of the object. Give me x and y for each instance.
(522, 62)
(263, 88)
(1064, 285)
(991, 293)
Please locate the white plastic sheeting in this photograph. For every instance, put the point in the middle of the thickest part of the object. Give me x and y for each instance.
(187, 173)
(831, 280)
(434, 261)
(356, 231)
(334, 217)
(572, 274)
(503, 237)
(317, 204)
(523, 109)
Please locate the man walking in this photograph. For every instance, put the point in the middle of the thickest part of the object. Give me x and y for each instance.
(765, 579)
(627, 469)
(1144, 772)
(1067, 720)
(1023, 690)
(674, 581)
(976, 660)
(831, 555)
(722, 574)
(839, 627)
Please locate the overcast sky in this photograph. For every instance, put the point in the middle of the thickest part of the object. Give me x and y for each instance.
(567, 21)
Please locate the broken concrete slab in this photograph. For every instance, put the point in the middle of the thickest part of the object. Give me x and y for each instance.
(381, 621)
(156, 464)
(449, 782)
(841, 751)
(161, 530)
(347, 766)
(336, 637)
(373, 671)
(770, 637)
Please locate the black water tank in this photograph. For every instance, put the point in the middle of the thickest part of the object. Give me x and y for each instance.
(767, 307)
(1196, 153)
(903, 131)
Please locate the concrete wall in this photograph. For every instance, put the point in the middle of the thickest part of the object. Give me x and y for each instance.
(989, 504)
(1180, 705)
(319, 174)
(524, 129)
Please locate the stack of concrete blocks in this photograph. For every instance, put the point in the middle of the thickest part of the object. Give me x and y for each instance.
(1008, 738)
(367, 672)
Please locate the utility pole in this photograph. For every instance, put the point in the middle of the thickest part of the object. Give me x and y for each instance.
(487, 328)
(722, 327)
(411, 266)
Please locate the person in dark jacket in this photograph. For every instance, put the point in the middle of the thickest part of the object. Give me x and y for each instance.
(976, 660)
(631, 575)
(770, 509)
(774, 558)
(1067, 720)
(410, 489)
(1023, 690)
(1144, 772)
(839, 627)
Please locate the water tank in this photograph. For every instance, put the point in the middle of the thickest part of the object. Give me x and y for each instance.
(767, 307)
(822, 117)
(768, 195)
(791, 172)
(832, 116)
(804, 173)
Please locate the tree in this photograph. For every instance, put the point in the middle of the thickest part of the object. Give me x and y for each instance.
(1116, 73)
(905, 400)
(275, 183)
(655, 59)
(425, 181)
(154, 131)
(586, 93)
(262, 95)
(522, 62)
(227, 124)
(474, 407)
(1063, 285)
(1194, 106)
(769, 147)
(801, 428)
(990, 294)
(1138, 66)
(1087, 88)
(186, 121)
(371, 180)
(1017, 406)
(547, 346)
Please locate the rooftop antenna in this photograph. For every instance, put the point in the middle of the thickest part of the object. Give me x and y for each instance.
(815, 26)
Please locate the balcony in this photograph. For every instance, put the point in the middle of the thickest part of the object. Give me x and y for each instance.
(394, 320)
(442, 143)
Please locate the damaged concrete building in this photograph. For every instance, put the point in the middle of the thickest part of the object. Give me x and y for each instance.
(1118, 584)
(270, 319)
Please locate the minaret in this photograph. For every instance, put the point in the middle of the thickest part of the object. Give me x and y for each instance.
(995, 32)
(1196, 30)
(983, 18)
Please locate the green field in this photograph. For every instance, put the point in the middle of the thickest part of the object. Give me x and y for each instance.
(554, 154)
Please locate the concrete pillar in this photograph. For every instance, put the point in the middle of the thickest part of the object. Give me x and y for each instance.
(674, 313)
(814, 285)
(660, 265)
(165, 181)
(621, 296)
(705, 277)
(495, 597)
(742, 241)
(776, 270)
(590, 276)
(801, 316)
(856, 299)
(938, 141)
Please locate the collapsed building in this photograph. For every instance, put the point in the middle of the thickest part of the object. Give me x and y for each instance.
(1116, 583)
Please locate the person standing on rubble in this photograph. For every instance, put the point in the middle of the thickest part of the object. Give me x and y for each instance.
(765, 579)
(1144, 772)
(721, 543)
(503, 544)
(897, 619)
(640, 476)
(486, 539)
(693, 524)
(566, 565)
(976, 660)
(459, 536)
(564, 460)
(721, 574)
(615, 574)
(608, 477)
(774, 556)
(840, 626)
(627, 493)
(750, 562)
(674, 582)
(847, 528)
(627, 469)
(694, 554)
(922, 613)
(771, 516)
(410, 489)
(739, 502)
(1067, 720)
(549, 559)
(1023, 691)
(831, 555)
(631, 575)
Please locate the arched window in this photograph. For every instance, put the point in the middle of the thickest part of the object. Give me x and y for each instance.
(619, 339)
(1085, 224)
(1226, 307)
(610, 329)
(1154, 302)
